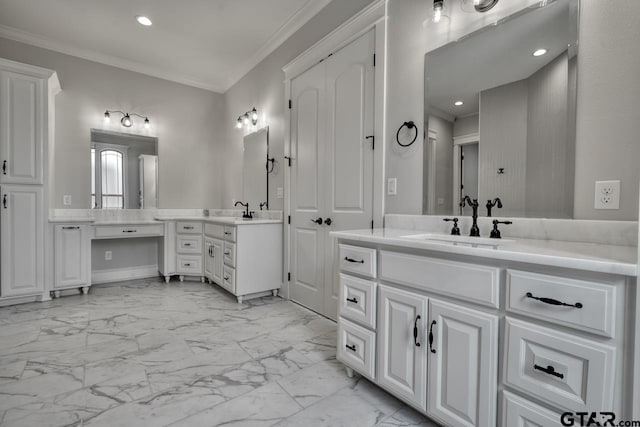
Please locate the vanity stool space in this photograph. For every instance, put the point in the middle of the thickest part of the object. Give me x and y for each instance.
(480, 341)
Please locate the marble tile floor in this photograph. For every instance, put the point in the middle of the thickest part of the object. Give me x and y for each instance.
(146, 353)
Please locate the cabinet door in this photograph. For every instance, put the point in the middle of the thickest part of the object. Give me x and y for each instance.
(402, 358)
(208, 258)
(72, 251)
(217, 250)
(22, 128)
(22, 230)
(463, 365)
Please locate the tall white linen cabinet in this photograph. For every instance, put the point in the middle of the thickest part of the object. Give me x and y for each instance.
(26, 142)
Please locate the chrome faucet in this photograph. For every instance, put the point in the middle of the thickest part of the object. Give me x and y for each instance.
(246, 214)
(473, 204)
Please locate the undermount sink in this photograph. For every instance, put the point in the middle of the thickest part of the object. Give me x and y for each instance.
(469, 241)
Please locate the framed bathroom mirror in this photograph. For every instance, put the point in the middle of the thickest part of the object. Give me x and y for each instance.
(500, 108)
(124, 170)
(256, 168)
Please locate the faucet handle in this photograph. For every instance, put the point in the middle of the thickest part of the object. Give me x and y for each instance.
(455, 231)
(495, 233)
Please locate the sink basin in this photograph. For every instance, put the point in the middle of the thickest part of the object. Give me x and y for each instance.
(473, 242)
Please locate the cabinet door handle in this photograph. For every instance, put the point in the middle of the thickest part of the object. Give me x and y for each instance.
(71, 228)
(4, 167)
(433, 350)
(187, 264)
(353, 300)
(227, 233)
(552, 301)
(129, 231)
(188, 245)
(351, 347)
(357, 261)
(415, 331)
(188, 227)
(227, 253)
(226, 277)
(549, 370)
(4, 201)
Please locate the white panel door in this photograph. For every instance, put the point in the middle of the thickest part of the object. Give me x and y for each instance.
(332, 169)
(308, 130)
(349, 153)
(463, 365)
(21, 124)
(72, 251)
(22, 228)
(402, 359)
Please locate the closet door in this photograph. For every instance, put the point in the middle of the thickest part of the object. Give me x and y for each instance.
(21, 124)
(308, 130)
(349, 153)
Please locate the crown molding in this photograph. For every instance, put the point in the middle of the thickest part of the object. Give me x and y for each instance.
(293, 24)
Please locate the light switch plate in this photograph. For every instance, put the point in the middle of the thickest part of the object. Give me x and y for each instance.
(392, 186)
(607, 195)
(66, 200)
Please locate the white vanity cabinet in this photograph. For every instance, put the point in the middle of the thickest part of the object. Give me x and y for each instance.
(189, 257)
(72, 257)
(435, 320)
(213, 259)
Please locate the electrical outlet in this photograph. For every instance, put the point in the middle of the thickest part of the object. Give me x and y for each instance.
(392, 186)
(108, 255)
(66, 200)
(607, 195)
(280, 193)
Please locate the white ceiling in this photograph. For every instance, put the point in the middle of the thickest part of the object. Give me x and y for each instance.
(496, 56)
(209, 44)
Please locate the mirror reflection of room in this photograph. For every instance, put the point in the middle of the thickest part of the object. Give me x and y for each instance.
(501, 118)
(255, 172)
(124, 170)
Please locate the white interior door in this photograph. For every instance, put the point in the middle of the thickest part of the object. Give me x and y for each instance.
(332, 169)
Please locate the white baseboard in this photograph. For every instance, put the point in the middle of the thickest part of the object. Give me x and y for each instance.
(120, 274)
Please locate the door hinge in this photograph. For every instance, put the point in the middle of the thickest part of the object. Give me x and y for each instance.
(289, 104)
(288, 160)
(289, 276)
(373, 141)
(372, 224)
(374, 59)
(289, 220)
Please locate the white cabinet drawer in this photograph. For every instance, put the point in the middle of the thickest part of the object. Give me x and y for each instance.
(230, 234)
(189, 265)
(517, 411)
(358, 260)
(358, 300)
(214, 230)
(356, 348)
(189, 244)
(126, 231)
(188, 227)
(579, 304)
(471, 282)
(566, 371)
(229, 254)
(229, 279)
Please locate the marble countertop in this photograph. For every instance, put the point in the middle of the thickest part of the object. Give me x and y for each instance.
(622, 260)
(226, 220)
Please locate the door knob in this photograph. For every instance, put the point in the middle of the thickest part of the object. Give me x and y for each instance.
(328, 221)
(317, 221)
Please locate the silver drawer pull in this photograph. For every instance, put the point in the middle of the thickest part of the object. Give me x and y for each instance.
(188, 227)
(351, 347)
(187, 264)
(226, 233)
(357, 261)
(552, 301)
(187, 245)
(71, 228)
(129, 231)
(227, 253)
(353, 300)
(549, 370)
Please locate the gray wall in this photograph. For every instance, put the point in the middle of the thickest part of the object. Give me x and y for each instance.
(607, 144)
(466, 125)
(186, 120)
(262, 87)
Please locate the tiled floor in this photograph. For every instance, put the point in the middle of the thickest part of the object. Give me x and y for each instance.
(148, 354)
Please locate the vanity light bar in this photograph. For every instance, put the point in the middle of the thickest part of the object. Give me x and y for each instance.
(250, 116)
(126, 119)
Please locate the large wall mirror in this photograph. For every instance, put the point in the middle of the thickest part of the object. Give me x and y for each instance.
(256, 169)
(500, 108)
(124, 170)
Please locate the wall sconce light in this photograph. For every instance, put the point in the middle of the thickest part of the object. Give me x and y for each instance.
(438, 5)
(248, 117)
(126, 119)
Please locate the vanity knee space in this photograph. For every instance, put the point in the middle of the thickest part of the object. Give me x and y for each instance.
(419, 325)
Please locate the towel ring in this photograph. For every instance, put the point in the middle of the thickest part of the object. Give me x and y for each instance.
(409, 125)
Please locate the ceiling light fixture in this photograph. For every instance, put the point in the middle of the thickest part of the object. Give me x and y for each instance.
(143, 20)
(539, 52)
(458, 103)
(126, 119)
(250, 116)
(484, 5)
(438, 5)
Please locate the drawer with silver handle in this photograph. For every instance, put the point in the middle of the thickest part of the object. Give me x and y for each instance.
(230, 234)
(579, 304)
(189, 244)
(188, 227)
(229, 279)
(355, 259)
(127, 231)
(189, 265)
(564, 370)
(229, 254)
(358, 300)
(356, 348)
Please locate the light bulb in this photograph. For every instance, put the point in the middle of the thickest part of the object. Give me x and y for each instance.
(437, 10)
(254, 116)
(476, 2)
(107, 116)
(147, 124)
(143, 20)
(126, 121)
(239, 123)
(245, 119)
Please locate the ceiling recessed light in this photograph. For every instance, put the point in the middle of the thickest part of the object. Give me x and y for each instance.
(458, 103)
(539, 52)
(143, 20)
